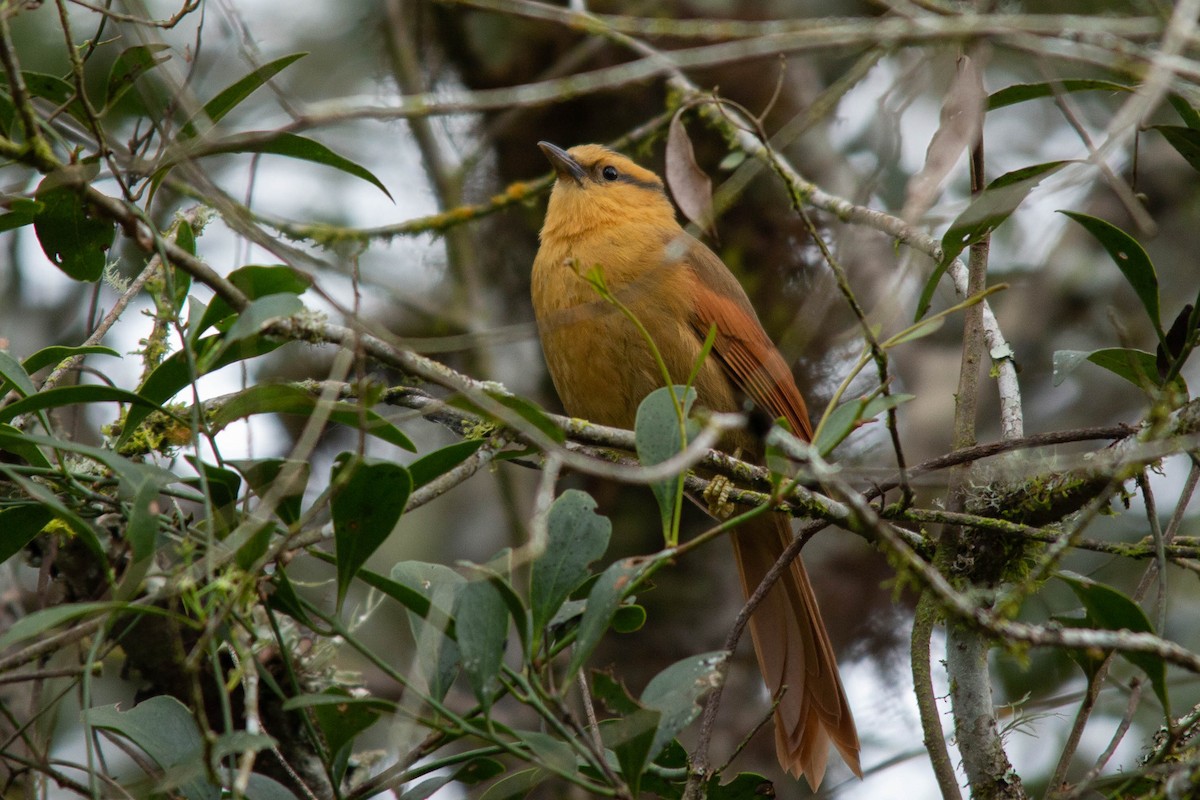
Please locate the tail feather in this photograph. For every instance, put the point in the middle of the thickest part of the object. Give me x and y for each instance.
(794, 651)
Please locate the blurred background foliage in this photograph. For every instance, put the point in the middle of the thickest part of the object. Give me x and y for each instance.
(459, 294)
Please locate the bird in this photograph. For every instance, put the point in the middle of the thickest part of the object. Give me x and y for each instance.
(609, 214)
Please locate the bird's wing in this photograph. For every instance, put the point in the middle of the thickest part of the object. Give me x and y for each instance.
(741, 345)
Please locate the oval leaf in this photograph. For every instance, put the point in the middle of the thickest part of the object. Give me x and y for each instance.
(481, 622)
(576, 537)
(71, 236)
(368, 499)
(658, 437)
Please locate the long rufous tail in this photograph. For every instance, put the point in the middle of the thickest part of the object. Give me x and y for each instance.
(793, 650)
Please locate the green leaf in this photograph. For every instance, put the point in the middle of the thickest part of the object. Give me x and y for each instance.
(852, 415)
(175, 373)
(1109, 609)
(56, 91)
(22, 213)
(142, 530)
(1130, 258)
(38, 622)
(603, 601)
(71, 395)
(298, 147)
(164, 729)
(629, 618)
(269, 398)
(676, 691)
(249, 323)
(368, 498)
(1186, 142)
(341, 721)
(1189, 115)
(610, 691)
(474, 771)
(131, 474)
(18, 527)
(515, 784)
(15, 377)
(631, 738)
(71, 236)
(987, 211)
(1136, 366)
(496, 572)
(222, 487)
(439, 462)
(284, 599)
(50, 500)
(56, 354)
(433, 629)
(554, 754)
(576, 537)
(255, 281)
(1019, 93)
(229, 98)
(527, 410)
(130, 65)
(922, 329)
(12, 440)
(287, 478)
(481, 622)
(658, 437)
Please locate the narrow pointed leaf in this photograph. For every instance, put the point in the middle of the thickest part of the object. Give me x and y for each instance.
(298, 147)
(851, 415)
(56, 354)
(286, 399)
(439, 462)
(1186, 112)
(1020, 92)
(1130, 258)
(229, 98)
(73, 395)
(18, 527)
(1186, 142)
(987, 211)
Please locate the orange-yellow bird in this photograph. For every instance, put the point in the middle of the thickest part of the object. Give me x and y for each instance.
(607, 212)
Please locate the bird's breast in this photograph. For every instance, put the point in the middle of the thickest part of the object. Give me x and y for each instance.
(600, 361)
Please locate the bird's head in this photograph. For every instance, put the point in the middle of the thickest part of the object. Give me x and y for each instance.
(598, 188)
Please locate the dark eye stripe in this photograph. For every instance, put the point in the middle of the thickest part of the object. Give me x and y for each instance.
(652, 185)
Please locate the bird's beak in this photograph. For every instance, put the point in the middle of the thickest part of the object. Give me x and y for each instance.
(562, 162)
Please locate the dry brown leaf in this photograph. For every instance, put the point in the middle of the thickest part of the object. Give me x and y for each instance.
(690, 185)
(959, 126)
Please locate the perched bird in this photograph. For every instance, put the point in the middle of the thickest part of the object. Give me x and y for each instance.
(607, 212)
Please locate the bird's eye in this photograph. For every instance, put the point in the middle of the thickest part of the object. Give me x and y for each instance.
(609, 173)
